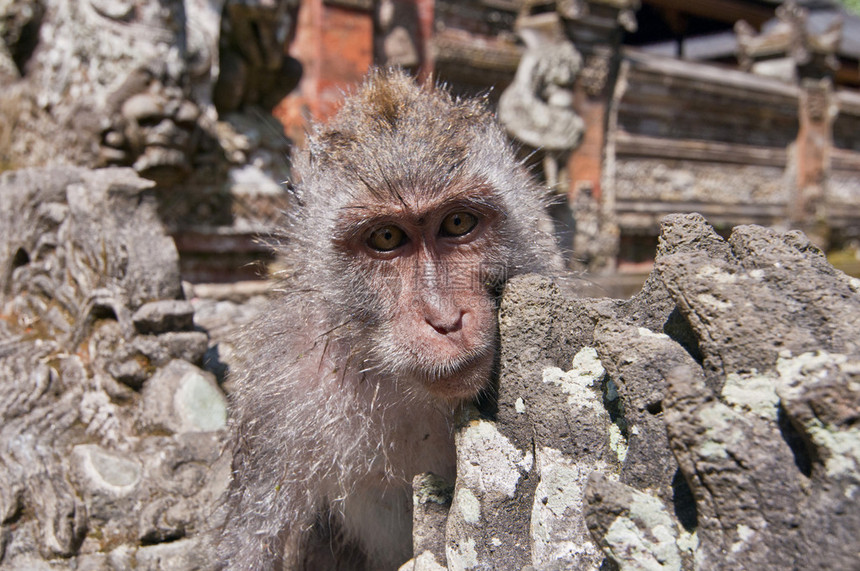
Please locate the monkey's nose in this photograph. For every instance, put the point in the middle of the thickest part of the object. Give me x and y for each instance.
(446, 324)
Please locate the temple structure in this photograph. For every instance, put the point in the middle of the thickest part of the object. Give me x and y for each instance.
(747, 111)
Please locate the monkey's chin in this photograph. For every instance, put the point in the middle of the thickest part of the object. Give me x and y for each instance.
(462, 382)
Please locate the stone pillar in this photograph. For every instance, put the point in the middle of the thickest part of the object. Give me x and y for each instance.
(596, 236)
(595, 28)
(403, 32)
(426, 18)
(585, 162)
(807, 210)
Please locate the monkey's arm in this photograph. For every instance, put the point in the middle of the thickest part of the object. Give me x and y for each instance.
(267, 506)
(278, 488)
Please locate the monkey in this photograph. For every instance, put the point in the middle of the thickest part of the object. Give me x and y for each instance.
(411, 211)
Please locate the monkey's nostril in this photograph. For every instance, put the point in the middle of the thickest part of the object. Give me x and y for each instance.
(445, 327)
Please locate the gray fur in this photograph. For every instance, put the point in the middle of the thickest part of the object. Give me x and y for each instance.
(330, 421)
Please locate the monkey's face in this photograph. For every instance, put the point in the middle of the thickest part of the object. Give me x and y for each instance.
(426, 273)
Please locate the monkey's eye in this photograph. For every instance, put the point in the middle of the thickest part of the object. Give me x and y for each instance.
(458, 224)
(386, 238)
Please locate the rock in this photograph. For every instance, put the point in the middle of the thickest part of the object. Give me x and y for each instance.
(185, 345)
(109, 484)
(183, 398)
(425, 561)
(720, 435)
(164, 315)
(635, 527)
(183, 555)
(431, 500)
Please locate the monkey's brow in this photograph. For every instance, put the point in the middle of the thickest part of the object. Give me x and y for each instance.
(392, 188)
(480, 195)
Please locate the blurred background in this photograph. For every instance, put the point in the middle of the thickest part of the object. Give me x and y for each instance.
(747, 111)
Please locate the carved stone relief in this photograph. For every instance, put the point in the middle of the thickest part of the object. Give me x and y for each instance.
(537, 108)
(140, 83)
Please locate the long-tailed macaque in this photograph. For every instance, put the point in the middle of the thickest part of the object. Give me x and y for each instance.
(411, 212)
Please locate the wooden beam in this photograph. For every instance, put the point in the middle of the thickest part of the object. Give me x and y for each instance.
(728, 11)
(628, 144)
(843, 159)
(733, 211)
(847, 101)
(716, 77)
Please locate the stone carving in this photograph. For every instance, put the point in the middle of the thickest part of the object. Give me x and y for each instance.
(110, 432)
(579, 9)
(595, 241)
(18, 26)
(679, 181)
(136, 82)
(115, 76)
(788, 37)
(537, 108)
(706, 423)
(595, 75)
(254, 67)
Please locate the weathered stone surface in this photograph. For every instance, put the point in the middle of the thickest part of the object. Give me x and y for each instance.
(636, 528)
(182, 398)
(164, 315)
(706, 423)
(111, 442)
(490, 472)
(637, 360)
(431, 500)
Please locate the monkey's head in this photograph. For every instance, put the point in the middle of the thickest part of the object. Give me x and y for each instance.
(414, 211)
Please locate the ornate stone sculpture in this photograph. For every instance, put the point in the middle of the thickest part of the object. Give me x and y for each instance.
(108, 428)
(789, 38)
(537, 108)
(133, 83)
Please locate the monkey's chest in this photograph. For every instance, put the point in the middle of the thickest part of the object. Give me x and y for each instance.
(414, 445)
(376, 512)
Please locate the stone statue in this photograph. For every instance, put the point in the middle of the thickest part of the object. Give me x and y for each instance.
(110, 430)
(537, 108)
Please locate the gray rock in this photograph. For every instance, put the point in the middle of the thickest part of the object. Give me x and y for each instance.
(183, 555)
(767, 487)
(164, 315)
(110, 485)
(185, 345)
(161, 349)
(182, 398)
(719, 436)
(432, 497)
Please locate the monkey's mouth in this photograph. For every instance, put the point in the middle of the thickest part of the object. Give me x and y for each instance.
(458, 378)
